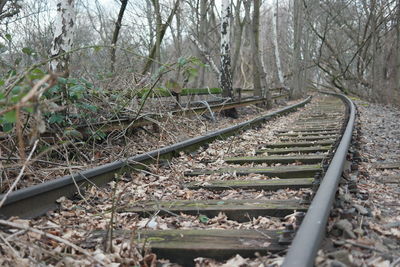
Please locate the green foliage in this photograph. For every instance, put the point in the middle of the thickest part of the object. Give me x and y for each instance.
(10, 117)
(8, 36)
(203, 218)
(55, 118)
(78, 94)
(28, 51)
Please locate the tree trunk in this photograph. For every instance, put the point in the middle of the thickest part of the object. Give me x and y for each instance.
(258, 87)
(239, 25)
(225, 78)
(178, 41)
(12, 9)
(116, 33)
(259, 74)
(397, 68)
(157, 45)
(276, 47)
(149, 17)
(297, 86)
(202, 39)
(63, 37)
(62, 43)
(160, 35)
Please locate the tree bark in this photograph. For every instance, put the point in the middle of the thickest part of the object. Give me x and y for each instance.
(62, 43)
(276, 47)
(397, 68)
(259, 73)
(157, 44)
(63, 37)
(239, 25)
(160, 35)
(116, 33)
(206, 55)
(202, 39)
(257, 79)
(297, 86)
(12, 9)
(225, 78)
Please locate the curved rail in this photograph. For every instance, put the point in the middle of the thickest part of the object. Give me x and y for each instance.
(36, 200)
(309, 236)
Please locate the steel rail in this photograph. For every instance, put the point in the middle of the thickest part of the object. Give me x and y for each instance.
(119, 124)
(38, 199)
(308, 238)
(191, 111)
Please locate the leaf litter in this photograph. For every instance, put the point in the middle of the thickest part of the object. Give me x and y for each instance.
(76, 218)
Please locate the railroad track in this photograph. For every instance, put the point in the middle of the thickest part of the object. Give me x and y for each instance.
(96, 130)
(305, 160)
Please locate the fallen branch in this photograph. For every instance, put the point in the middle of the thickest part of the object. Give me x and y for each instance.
(51, 236)
(21, 172)
(206, 55)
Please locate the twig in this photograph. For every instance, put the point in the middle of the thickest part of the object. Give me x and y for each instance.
(365, 247)
(34, 160)
(51, 236)
(396, 262)
(20, 174)
(73, 178)
(9, 245)
(34, 92)
(205, 54)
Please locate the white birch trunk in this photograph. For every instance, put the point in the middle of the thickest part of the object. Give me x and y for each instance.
(63, 37)
(276, 47)
(225, 77)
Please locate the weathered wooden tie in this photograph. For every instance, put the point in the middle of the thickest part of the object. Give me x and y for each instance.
(300, 144)
(309, 159)
(277, 151)
(235, 209)
(316, 132)
(182, 246)
(261, 184)
(289, 133)
(309, 138)
(299, 171)
(387, 165)
(319, 129)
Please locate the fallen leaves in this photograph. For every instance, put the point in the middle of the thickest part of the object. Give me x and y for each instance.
(367, 218)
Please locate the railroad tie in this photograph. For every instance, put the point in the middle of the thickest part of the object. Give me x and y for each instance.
(295, 162)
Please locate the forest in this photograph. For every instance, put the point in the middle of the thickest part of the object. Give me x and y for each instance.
(76, 62)
(90, 82)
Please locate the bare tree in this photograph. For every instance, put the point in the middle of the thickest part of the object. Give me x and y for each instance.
(9, 8)
(63, 37)
(114, 40)
(62, 43)
(238, 32)
(259, 73)
(276, 46)
(297, 81)
(225, 77)
(160, 32)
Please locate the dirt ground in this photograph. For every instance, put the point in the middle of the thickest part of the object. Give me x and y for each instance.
(364, 228)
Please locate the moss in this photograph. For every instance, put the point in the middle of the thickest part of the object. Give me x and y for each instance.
(164, 92)
(155, 239)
